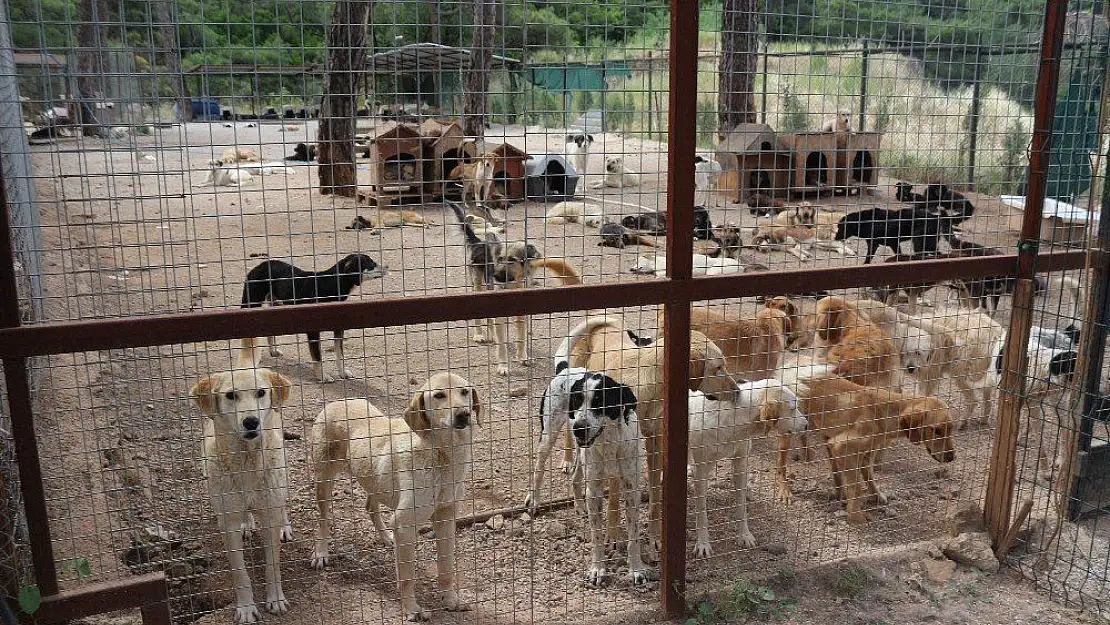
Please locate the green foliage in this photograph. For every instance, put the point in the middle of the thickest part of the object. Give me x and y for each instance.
(707, 123)
(795, 116)
(745, 600)
(883, 114)
(30, 598)
(852, 581)
(1014, 144)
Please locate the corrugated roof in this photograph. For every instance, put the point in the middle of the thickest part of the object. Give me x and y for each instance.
(428, 57)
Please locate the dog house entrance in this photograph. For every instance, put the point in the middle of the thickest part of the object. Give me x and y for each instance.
(451, 159)
(759, 179)
(399, 168)
(863, 167)
(817, 169)
(554, 180)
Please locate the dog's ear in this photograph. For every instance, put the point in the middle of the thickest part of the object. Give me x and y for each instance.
(280, 386)
(203, 394)
(531, 252)
(829, 325)
(698, 354)
(628, 402)
(475, 405)
(416, 415)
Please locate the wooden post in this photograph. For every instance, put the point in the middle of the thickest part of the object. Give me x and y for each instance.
(763, 94)
(650, 99)
(973, 115)
(864, 62)
(1000, 478)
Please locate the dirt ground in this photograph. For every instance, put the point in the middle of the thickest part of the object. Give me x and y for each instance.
(126, 236)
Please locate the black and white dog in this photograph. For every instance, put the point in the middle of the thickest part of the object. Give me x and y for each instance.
(601, 413)
(578, 148)
(280, 283)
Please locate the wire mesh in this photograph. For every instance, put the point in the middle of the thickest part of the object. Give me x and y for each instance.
(198, 156)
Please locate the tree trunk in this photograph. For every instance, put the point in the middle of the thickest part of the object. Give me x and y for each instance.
(171, 52)
(477, 81)
(346, 62)
(90, 64)
(739, 52)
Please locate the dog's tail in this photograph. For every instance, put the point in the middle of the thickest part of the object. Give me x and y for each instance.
(587, 327)
(250, 354)
(330, 440)
(560, 267)
(637, 239)
(467, 230)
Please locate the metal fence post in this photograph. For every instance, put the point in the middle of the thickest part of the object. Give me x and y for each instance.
(682, 129)
(973, 116)
(1000, 479)
(763, 96)
(864, 61)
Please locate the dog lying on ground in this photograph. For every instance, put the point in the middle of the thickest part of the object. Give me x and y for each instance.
(762, 204)
(245, 467)
(389, 219)
(858, 422)
(493, 264)
(650, 223)
(616, 235)
(617, 175)
(752, 348)
(578, 148)
(231, 156)
(858, 349)
(602, 344)
(703, 266)
(575, 211)
(280, 283)
(221, 175)
(723, 430)
(303, 152)
(417, 466)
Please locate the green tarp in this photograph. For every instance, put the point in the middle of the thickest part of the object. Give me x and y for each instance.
(575, 76)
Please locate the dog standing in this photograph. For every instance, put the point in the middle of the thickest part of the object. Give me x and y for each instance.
(721, 430)
(858, 349)
(417, 466)
(578, 148)
(245, 467)
(280, 283)
(841, 123)
(752, 348)
(477, 181)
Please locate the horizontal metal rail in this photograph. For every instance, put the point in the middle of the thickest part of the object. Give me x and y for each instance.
(100, 334)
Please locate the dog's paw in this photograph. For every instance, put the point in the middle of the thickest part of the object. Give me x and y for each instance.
(319, 559)
(858, 518)
(346, 374)
(247, 614)
(481, 339)
(502, 370)
(703, 550)
(453, 603)
(276, 603)
(639, 577)
(530, 504)
(595, 576)
(747, 541)
(417, 614)
(275, 352)
(326, 379)
(248, 527)
(387, 537)
(783, 492)
(286, 533)
(881, 499)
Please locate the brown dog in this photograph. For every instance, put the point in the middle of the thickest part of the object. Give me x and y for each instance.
(858, 422)
(752, 347)
(799, 333)
(477, 177)
(859, 350)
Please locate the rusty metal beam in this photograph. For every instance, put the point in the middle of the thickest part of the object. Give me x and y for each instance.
(674, 437)
(23, 420)
(148, 593)
(999, 499)
(99, 334)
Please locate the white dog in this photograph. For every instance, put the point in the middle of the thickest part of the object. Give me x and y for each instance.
(417, 466)
(707, 173)
(245, 466)
(617, 175)
(841, 123)
(578, 149)
(575, 211)
(221, 175)
(724, 429)
(703, 265)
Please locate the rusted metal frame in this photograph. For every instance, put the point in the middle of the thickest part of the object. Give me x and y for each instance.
(149, 593)
(118, 333)
(20, 411)
(998, 506)
(682, 142)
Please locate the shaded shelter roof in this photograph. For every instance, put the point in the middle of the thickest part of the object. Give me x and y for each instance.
(429, 57)
(38, 59)
(227, 69)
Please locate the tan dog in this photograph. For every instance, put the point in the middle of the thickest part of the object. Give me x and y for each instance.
(389, 219)
(858, 349)
(477, 177)
(417, 466)
(617, 175)
(841, 123)
(602, 344)
(239, 155)
(752, 347)
(858, 422)
(804, 214)
(244, 464)
(799, 332)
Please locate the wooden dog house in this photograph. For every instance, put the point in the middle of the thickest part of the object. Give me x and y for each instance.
(442, 153)
(750, 155)
(857, 161)
(396, 161)
(508, 165)
(815, 158)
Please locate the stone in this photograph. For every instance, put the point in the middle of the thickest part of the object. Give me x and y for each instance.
(964, 517)
(557, 529)
(525, 517)
(972, 549)
(496, 522)
(938, 571)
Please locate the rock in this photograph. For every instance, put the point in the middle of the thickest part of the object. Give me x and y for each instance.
(496, 522)
(972, 549)
(518, 391)
(557, 529)
(964, 517)
(525, 517)
(938, 571)
(775, 549)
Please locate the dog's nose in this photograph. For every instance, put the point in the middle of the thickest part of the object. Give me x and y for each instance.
(462, 419)
(251, 423)
(949, 456)
(912, 368)
(581, 432)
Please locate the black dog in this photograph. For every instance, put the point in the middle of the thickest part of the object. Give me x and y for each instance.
(703, 226)
(616, 235)
(889, 228)
(303, 152)
(904, 193)
(283, 284)
(650, 223)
